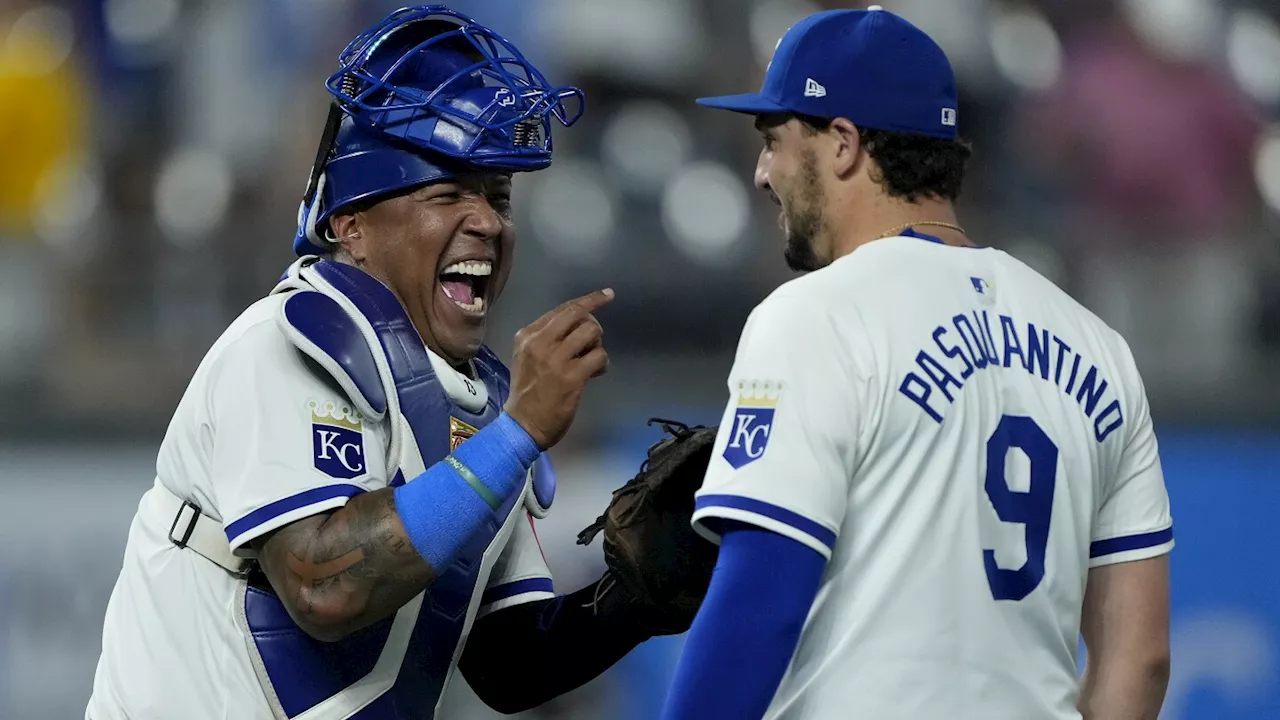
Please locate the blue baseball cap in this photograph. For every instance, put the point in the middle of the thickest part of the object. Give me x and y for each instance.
(869, 66)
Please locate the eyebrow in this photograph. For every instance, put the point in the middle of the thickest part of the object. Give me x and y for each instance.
(769, 121)
(430, 188)
(481, 182)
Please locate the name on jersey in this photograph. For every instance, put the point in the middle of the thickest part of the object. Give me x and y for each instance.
(337, 440)
(752, 422)
(967, 344)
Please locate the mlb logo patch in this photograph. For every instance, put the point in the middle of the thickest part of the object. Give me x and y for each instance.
(337, 440)
(458, 432)
(981, 286)
(752, 422)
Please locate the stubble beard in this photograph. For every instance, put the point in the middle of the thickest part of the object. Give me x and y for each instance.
(805, 221)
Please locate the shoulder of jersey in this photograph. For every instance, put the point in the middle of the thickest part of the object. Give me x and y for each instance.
(809, 289)
(1037, 282)
(853, 275)
(253, 328)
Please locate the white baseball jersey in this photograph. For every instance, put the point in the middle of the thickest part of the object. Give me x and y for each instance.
(962, 441)
(259, 440)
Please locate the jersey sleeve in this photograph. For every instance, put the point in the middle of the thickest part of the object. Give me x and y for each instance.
(784, 453)
(1133, 520)
(286, 444)
(521, 574)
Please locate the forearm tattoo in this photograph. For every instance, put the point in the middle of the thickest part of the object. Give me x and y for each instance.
(345, 571)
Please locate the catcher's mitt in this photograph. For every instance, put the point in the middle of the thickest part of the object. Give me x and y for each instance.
(649, 546)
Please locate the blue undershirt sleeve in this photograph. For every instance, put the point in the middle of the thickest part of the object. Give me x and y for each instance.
(445, 506)
(747, 630)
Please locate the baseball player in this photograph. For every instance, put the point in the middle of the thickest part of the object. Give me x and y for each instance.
(936, 470)
(342, 512)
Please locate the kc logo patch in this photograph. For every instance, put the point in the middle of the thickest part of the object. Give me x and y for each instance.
(752, 422)
(337, 440)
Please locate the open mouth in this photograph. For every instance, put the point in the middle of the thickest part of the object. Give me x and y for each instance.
(465, 284)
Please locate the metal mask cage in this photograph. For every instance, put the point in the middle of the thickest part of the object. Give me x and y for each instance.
(516, 120)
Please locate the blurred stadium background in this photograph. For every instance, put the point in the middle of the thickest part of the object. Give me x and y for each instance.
(152, 154)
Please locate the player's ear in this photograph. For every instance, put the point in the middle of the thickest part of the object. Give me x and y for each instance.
(848, 147)
(345, 226)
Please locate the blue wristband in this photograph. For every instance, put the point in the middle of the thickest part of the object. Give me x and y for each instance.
(443, 507)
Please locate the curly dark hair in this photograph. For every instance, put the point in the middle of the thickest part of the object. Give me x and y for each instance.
(911, 166)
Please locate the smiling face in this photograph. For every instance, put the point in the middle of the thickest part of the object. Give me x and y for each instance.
(788, 171)
(445, 251)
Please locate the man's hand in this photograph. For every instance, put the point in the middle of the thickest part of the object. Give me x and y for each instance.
(554, 359)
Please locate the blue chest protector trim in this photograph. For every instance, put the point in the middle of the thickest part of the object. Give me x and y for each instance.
(302, 671)
(544, 487)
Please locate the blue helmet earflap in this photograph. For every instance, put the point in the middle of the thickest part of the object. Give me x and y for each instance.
(420, 97)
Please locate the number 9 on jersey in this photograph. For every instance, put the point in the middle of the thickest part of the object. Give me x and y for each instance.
(1031, 509)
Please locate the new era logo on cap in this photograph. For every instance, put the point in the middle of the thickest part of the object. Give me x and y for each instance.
(813, 89)
(949, 117)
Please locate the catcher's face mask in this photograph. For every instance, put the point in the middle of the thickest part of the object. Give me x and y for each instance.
(420, 97)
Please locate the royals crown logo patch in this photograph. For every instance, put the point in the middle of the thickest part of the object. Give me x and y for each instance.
(752, 422)
(337, 440)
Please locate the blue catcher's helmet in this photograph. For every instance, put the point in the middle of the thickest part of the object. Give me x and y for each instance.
(420, 97)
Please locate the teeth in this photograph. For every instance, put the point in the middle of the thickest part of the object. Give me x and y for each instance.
(476, 305)
(482, 268)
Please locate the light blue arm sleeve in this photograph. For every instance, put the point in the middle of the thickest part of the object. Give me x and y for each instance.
(443, 507)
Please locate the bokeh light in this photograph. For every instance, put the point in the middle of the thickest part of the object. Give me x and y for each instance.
(658, 42)
(573, 211)
(141, 28)
(646, 142)
(192, 194)
(44, 36)
(1025, 48)
(1180, 29)
(1266, 168)
(69, 199)
(1253, 53)
(705, 211)
(770, 20)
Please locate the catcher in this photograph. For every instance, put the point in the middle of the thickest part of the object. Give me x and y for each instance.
(342, 513)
